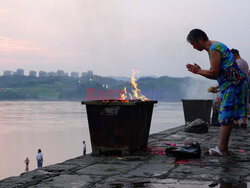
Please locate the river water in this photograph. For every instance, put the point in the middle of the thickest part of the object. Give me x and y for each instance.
(58, 129)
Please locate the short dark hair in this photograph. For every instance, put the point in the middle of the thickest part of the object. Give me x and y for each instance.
(196, 34)
(39, 150)
(235, 52)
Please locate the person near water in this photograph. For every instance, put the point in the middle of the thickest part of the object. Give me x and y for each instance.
(84, 148)
(39, 158)
(232, 83)
(244, 67)
(27, 161)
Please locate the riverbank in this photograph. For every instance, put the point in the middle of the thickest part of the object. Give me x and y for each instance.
(151, 170)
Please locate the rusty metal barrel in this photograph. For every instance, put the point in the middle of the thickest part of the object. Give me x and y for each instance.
(119, 127)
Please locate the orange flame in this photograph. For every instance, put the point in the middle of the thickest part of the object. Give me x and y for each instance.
(136, 93)
(124, 95)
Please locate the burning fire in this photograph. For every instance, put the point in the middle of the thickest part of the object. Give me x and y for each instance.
(136, 93)
(124, 95)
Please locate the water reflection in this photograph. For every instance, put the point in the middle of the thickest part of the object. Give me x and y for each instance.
(232, 185)
(175, 183)
(229, 185)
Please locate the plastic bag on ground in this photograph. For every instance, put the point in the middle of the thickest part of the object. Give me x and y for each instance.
(189, 151)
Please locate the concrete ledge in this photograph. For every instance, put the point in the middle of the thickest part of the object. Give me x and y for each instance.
(153, 169)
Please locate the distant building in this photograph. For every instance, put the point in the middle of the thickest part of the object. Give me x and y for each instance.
(51, 74)
(32, 73)
(7, 73)
(84, 74)
(60, 73)
(14, 73)
(75, 74)
(88, 73)
(42, 74)
(20, 72)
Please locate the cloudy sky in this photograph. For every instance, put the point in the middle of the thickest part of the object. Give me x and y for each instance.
(111, 37)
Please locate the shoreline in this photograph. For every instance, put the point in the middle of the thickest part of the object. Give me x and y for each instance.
(151, 169)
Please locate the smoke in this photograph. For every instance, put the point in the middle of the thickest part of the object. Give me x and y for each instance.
(198, 88)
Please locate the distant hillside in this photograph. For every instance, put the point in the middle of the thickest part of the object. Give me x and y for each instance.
(65, 88)
(120, 78)
(123, 78)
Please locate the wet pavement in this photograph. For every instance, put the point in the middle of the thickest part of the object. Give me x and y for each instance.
(153, 169)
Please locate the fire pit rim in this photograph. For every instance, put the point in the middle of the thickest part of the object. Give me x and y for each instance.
(118, 102)
(197, 100)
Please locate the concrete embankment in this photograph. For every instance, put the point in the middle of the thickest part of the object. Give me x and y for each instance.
(151, 170)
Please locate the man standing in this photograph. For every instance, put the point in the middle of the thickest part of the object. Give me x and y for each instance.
(244, 67)
(39, 158)
(240, 62)
(84, 148)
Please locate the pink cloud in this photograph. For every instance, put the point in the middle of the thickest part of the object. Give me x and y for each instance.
(12, 48)
(10, 45)
(3, 11)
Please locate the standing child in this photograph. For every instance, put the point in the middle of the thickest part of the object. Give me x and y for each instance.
(27, 161)
(84, 148)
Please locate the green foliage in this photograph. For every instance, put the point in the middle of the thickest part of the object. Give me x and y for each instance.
(66, 88)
